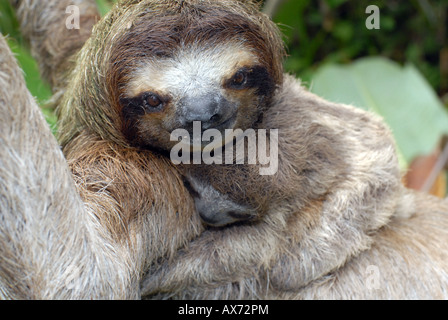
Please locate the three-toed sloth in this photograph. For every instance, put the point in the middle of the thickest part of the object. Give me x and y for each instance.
(333, 222)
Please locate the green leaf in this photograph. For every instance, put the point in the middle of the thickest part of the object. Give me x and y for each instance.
(399, 94)
(8, 22)
(103, 6)
(37, 87)
(343, 30)
(333, 4)
(290, 24)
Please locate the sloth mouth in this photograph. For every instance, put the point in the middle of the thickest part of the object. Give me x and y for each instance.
(226, 124)
(241, 216)
(222, 127)
(197, 141)
(230, 218)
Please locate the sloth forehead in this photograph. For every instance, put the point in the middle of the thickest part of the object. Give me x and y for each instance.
(192, 70)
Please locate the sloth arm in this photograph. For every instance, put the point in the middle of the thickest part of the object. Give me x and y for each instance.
(217, 258)
(286, 254)
(280, 256)
(50, 244)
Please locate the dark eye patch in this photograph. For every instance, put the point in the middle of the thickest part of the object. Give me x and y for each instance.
(255, 77)
(133, 109)
(145, 103)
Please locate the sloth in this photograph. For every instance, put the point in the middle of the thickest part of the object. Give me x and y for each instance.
(122, 223)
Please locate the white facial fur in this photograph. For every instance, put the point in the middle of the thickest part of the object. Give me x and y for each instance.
(194, 70)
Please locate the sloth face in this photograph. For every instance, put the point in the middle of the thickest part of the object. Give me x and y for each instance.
(223, 87)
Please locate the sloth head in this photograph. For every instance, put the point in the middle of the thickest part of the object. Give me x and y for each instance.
(217, 62)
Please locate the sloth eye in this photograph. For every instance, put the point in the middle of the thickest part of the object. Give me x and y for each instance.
(152, 100)
(239, 79)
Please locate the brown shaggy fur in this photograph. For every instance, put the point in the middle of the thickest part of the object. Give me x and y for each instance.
(122, 225)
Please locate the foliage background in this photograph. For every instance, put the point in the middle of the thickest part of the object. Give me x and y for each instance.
(334, 31)
(322, 33)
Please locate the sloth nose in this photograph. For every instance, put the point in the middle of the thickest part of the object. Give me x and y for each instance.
(207, 109)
